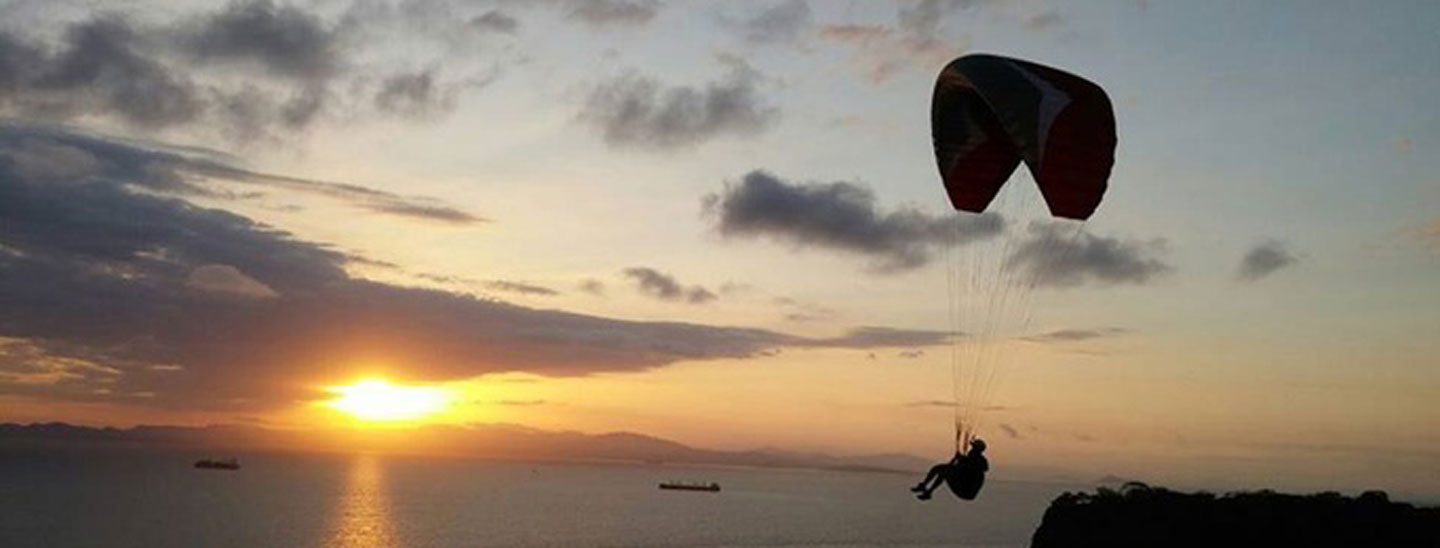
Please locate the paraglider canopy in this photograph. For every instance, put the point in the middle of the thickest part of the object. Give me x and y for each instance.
(989, 113)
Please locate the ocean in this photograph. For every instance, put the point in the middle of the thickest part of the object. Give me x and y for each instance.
(155, 499)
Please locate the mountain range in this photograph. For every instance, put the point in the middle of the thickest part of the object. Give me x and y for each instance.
(499, 441)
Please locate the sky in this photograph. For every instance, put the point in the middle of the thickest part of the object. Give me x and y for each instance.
(721, 223)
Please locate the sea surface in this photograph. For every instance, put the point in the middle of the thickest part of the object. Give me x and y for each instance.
(155, 499)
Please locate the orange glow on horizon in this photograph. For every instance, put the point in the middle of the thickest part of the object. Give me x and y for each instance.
(377, 400)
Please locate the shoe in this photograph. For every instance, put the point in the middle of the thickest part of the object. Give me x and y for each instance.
(923, 496)
(918, 488)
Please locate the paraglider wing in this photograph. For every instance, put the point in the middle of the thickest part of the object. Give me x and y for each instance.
(989, 113)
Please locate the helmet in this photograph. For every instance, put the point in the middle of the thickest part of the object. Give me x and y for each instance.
(977, 444)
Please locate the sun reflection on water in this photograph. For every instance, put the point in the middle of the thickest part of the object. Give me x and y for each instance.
(362, 517)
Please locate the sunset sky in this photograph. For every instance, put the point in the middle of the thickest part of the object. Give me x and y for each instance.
(711, 222)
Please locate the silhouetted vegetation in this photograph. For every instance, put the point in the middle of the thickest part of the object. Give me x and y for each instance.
(1140, 515)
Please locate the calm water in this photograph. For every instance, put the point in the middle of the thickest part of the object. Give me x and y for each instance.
(154, 500)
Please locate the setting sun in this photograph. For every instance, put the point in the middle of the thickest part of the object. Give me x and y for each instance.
(378, 400)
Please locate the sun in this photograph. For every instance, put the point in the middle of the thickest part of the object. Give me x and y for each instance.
(378, 400)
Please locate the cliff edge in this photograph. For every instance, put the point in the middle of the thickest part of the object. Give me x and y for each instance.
(1140, 515)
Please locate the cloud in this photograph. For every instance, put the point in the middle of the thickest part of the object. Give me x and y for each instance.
(637, 111)
(101, 66)
(1069, 335)
(495, 21)
(1404, 145)
(593, 287)
(51, 154)
(911, 354)
(521, 288)
(916, 40)
(881, 337)
(115, 291)
(415, 95)
(249, 70)
(27, 367)
(100, 283)
(614, 13)
(1431, 232)
(923, 18)
(882, 52)
(1044, 21)
(282, 40)
(1264, 259)
(804, 312)
(153, 76)
(1053, 255)
(841, 216)
(226, 279)
(779, 23)
(664, 287)
(856, 34)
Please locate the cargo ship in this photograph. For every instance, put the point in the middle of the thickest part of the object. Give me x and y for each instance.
(207, 464)
(709, 488)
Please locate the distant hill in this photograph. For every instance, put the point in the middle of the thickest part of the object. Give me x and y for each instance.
(1140, 515)
(484, 441)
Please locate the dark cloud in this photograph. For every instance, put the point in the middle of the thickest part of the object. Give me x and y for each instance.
(109, 67)
(803, 311)
(521, 288)
(101, 66)
(495, 21)
(49, 154)
(614, 13)
(841, 216)
(593, 287)
(1264, 259)
(779, 23)
(664, 287)
(443, 279)
(249, 70)
(395, 205)
(280, 39)
(637, 111)
(1056, 255)
(113, 291)
(415, 95)
(883, 337)
(911, 354)
(1068, 335)
(923, 18)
